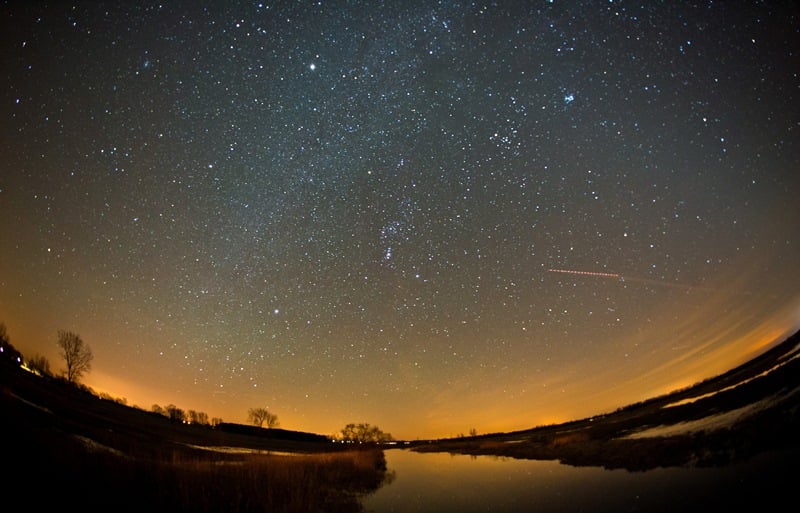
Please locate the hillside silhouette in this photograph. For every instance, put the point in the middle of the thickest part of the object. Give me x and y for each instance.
(749, 410)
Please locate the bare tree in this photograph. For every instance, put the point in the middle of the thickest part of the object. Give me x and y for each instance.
(174, 413)
(363, 433)
(39, 364)
(76, 353)
(259, 416)
(197, 417)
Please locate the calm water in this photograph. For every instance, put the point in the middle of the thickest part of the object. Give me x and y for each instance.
(440, 483)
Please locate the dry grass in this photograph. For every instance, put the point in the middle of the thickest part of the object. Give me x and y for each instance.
(97, 478)
(290, 483)
(62, 450)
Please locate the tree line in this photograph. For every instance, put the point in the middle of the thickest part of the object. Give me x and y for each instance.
(78, 357)
(362, 433)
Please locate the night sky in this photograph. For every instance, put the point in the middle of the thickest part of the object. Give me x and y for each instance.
(428, 216)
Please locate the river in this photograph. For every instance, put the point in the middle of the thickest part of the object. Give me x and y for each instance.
(442, 483)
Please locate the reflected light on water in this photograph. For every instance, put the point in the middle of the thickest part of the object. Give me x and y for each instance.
(441, 483)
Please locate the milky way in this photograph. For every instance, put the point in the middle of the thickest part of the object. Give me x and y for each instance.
(351, 211)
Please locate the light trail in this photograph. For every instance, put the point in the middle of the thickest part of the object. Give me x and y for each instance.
(617, 276)
(586, 273)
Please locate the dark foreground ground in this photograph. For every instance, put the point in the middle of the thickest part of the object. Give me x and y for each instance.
(749, 411)
(65, 448)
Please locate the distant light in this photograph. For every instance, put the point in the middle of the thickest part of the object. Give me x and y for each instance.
(312, 66)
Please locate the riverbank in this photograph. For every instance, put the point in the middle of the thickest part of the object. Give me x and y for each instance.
(730, 419)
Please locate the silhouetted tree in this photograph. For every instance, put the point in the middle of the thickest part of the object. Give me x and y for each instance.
(158, 409)
(197, 417)
(39, 364)
(362, 433)
(76, 353)
(259, 416)
(175, 414)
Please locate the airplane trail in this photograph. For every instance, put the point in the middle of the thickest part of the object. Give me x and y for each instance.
(622, 278)
(586, 273)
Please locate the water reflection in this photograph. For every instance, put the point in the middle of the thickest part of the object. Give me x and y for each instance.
(440, 482)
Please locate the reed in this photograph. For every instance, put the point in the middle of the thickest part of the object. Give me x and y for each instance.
(97, 478)
(290, 483)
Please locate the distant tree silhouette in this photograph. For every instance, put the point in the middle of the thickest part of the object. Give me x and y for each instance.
(175, 414)
(197, 417)
(259, 416)
(76, 353)
(39, 364)
(362, 433)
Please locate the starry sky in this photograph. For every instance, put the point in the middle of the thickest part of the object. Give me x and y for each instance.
(429, 216)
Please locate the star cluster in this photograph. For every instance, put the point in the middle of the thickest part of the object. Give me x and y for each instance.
(351, 211)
